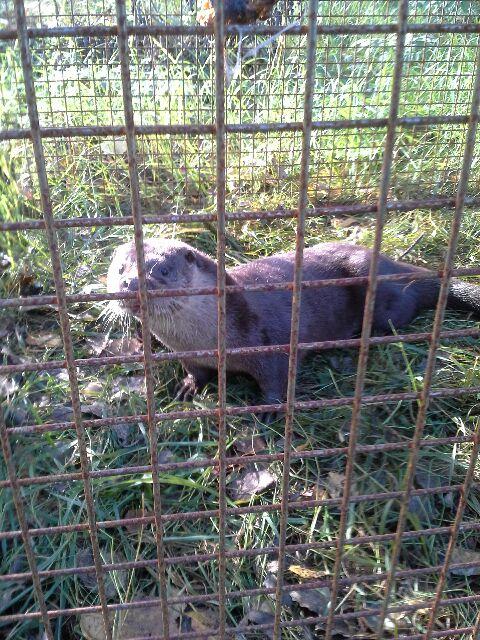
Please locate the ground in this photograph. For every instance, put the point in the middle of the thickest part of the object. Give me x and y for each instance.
(78, 84)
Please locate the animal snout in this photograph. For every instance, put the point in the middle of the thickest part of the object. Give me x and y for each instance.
(132, 284)
(129, 284)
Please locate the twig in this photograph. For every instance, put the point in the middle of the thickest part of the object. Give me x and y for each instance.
(414, 244)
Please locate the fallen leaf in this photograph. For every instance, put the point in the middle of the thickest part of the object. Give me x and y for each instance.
(249, 482)
(62, 413)
(137, 513)
(335, 484)
(44, 339)
(305, 572)
(141, 621)
(461, 555)
(200, 620)
(8, 386)
(250, 445)
(98, 409)
(92, 389)
(97, 343)
(123, 346)
(84, 558)
(256, 616)
(270, 582)
(316, 600)
(343, 223)
(127, 384)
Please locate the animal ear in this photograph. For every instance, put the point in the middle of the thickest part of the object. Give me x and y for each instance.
(190, 256)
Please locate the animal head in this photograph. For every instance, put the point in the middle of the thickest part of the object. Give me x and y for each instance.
(169, 264)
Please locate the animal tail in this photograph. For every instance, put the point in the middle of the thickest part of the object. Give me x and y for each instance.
(464, 296)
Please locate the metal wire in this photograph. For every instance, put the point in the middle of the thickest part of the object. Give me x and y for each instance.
(221, 309)
(54, 129)
(143, 299)
(296, 301)
(19, 507)
(435, 340)
(62, 304)
(367, 321)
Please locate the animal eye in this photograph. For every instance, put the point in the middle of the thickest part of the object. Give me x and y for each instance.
(164, 271)
(122, 269)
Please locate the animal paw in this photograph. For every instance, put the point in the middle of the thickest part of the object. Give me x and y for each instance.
(186, 389)
(267, 417)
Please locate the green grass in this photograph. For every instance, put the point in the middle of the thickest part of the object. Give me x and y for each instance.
(79, 83)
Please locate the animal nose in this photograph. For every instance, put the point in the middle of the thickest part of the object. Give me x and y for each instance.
(130, 285)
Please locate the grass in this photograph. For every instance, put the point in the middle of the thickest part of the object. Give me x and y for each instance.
(78, 83)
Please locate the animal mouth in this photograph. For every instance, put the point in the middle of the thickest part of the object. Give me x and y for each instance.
(131, 305)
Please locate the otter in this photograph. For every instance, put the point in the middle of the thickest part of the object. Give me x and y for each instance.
(189, 323)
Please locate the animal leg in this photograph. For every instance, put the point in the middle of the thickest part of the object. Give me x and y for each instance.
(196, 378)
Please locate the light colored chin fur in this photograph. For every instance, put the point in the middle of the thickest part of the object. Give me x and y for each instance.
(187, 320)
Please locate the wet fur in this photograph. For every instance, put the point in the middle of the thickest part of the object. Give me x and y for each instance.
(262, 318)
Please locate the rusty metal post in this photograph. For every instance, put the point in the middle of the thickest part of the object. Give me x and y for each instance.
(432, 353)
(221, 306)
(144, 302)
(369, 304)
(61, 299)
(22, 519)
(296, 302)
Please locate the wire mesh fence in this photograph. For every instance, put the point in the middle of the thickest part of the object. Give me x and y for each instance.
(126, 514)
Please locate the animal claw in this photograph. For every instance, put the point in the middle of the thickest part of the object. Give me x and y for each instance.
(185, 390)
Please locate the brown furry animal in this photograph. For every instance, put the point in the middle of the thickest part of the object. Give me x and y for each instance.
(189, 323)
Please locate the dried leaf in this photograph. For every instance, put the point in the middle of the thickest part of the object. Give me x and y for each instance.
(256, 616)
(93, 389)
(123, 346)
(316, 600)
(62, 413)
(137, 513)
(201, 620)
(461, 555)
(8, 386)
(249, 482)
(84, 558)
(127, 384)
(141, 621)
(335, 484)
(98, 409)
(305, 572)
(97, 343)
(250, 445)
(44, 339)
(270, 582)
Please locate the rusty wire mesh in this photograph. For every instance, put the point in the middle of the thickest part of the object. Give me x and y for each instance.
(276, 154)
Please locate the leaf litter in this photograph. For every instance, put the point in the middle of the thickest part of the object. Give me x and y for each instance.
(249, 482)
